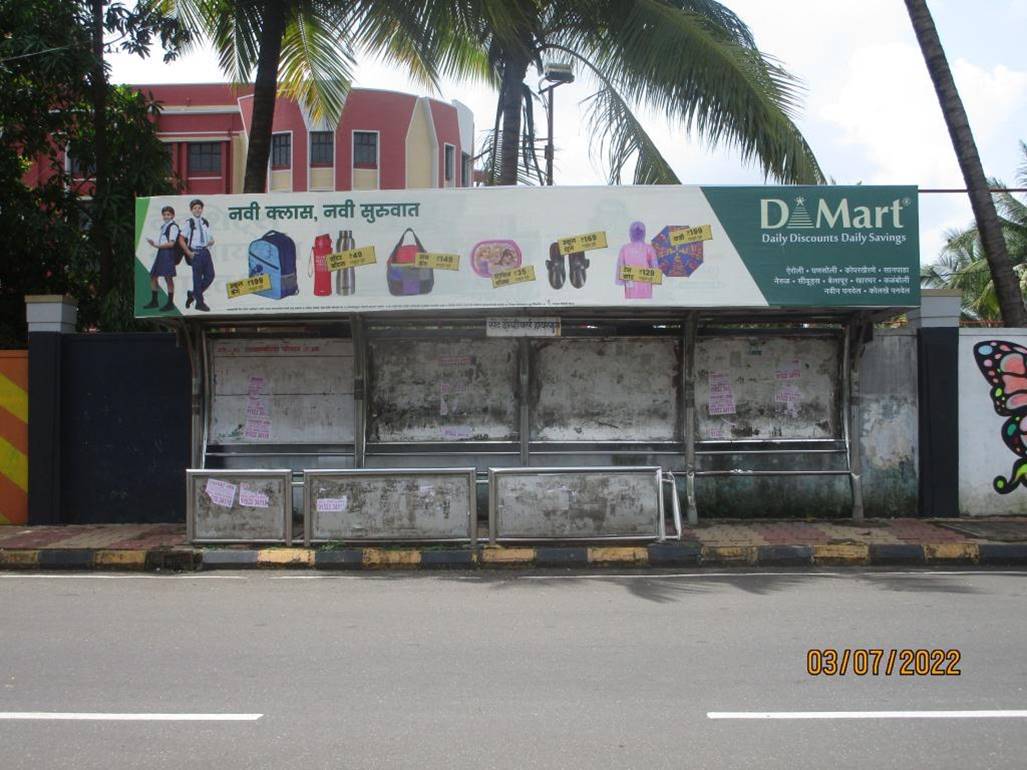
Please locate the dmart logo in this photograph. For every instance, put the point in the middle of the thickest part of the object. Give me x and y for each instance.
(777, 214)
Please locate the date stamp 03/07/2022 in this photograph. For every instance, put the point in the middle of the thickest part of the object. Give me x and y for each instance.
(879, 661)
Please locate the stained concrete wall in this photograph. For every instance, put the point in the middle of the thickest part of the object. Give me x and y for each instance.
(889, 419)
(888, 439)
(988, 435)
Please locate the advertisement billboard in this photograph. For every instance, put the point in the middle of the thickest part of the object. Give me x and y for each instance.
(504, 248)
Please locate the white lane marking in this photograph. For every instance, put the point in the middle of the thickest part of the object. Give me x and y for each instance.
(862, 573)
(997, 714)
(321, 577)
(16, 576)
(101, 717)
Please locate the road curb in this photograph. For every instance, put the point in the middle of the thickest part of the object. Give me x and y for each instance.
(494, 556)
(618, 556)
(674, 554)
(784, 555)
(343, 558)
(728, 555)
(1003, 554)
(230, 558)
(20, 558)
(892, 554)
(561, 556)
(66, 558)
(129, 559)
(952, 553)
(841, 554)
(383, 558)
(448, 559)
(285, 557)
(668, 554)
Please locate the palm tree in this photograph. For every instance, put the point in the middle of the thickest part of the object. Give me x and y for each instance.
(303, 50)
(1008, 292)
(963, 263)
(694, 61)
(295, 41)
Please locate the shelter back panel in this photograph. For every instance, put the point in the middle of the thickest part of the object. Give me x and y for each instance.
(753, 388)
(458, 389)
(622, 389)
(282, 391)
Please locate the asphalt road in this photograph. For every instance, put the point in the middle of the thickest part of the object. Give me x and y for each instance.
(508, 670)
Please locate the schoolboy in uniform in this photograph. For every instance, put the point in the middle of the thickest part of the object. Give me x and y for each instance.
(164, 263)
(196, 240)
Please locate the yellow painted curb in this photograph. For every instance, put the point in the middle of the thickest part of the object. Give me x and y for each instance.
(741, 554)
(380, 558)
(19, 558)
(618, 555)
(952, 552)
(494, 555)
(127, 559)
(841, 553)
(285, 557)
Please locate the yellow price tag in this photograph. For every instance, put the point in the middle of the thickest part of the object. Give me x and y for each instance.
(437, 261)
(517, 275)
(249, 285)
(641, 274)
(341, 260)
(585, 242)
(691, 235)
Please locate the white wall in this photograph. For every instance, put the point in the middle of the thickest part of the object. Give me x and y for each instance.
(983, 455)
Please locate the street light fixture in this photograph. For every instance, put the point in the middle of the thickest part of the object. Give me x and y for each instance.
(557, 75)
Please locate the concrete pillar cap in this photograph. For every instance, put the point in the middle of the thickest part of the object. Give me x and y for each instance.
(51, 313)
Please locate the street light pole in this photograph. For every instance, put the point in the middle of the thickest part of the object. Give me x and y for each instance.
(557, 74)
(549, 135)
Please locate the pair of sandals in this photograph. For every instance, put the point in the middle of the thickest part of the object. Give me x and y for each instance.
(558, 271)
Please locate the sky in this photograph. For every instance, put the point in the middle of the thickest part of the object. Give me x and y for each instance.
(870, 112)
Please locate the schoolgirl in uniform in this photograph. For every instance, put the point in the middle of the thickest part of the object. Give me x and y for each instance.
(164, 263)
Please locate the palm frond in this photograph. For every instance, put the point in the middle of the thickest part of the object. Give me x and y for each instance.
(621, 137)
(681, 60)
(315, 68)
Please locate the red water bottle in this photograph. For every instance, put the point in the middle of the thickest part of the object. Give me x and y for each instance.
(322, 275)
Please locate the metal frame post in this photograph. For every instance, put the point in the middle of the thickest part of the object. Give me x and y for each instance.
(359, 339)
(524, 397)
(688, 341)
(853, 361)
(192, 343)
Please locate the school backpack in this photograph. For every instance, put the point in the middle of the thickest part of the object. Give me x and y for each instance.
(405, 279)
(274, 254)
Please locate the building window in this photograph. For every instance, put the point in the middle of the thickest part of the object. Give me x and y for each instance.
(281, 151)
(450, 162)
(204, 158)
(77, 168)
(322, 148)
(466, 170)
(365, 149)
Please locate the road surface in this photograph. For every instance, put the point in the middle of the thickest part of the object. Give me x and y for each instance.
(507, 670)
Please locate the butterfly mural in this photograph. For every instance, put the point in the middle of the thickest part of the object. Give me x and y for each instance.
(1004, 366)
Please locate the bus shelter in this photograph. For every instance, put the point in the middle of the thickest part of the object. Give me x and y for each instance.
(527, 364)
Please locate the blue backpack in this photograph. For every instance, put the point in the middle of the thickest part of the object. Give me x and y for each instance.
(274, 254)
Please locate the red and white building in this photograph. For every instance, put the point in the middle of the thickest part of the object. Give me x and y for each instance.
(383, 140)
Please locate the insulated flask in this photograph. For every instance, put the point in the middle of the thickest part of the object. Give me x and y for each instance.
(345, 279)
(322, 276)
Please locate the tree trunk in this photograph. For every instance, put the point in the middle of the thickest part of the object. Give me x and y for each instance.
(265, 90)
(1006, 286)
(99, 231)
(514, 69)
